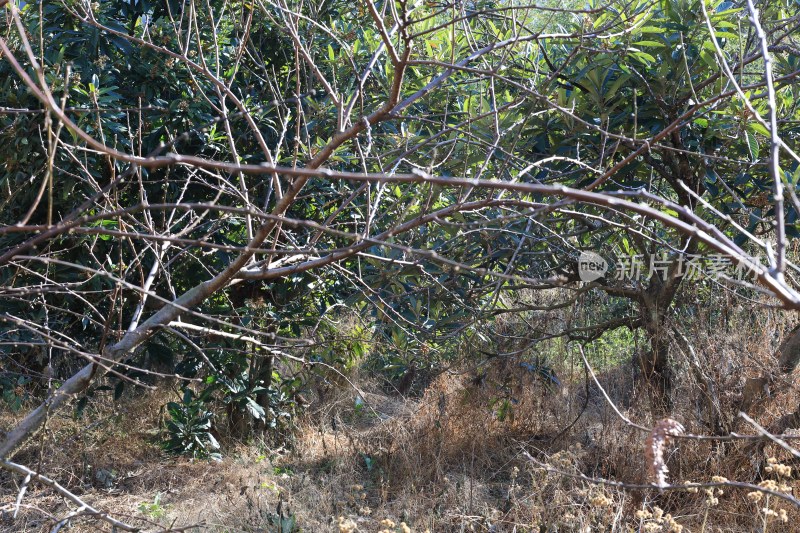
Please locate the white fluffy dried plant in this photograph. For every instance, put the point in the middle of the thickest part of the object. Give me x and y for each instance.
(656, 446)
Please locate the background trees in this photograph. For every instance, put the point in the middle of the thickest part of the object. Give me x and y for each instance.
(209, 188)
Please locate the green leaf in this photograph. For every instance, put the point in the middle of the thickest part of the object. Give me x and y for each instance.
(618, 83)
(752, 145)
(709, 59)
(255, 410)
(759, 128)
(644, 57)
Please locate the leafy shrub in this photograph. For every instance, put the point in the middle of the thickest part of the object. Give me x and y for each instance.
(154, 510)
(14, 391)
(189, 428)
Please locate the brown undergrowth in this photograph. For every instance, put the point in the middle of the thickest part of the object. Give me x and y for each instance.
(491, 448)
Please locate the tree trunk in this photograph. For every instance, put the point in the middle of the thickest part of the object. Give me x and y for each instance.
(654, 363)
(265, 378)
(654, 309)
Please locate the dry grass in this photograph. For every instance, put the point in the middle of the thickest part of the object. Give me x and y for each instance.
(452, 460)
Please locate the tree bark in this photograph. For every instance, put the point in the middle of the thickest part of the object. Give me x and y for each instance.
(654, 308)
(654, 364)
